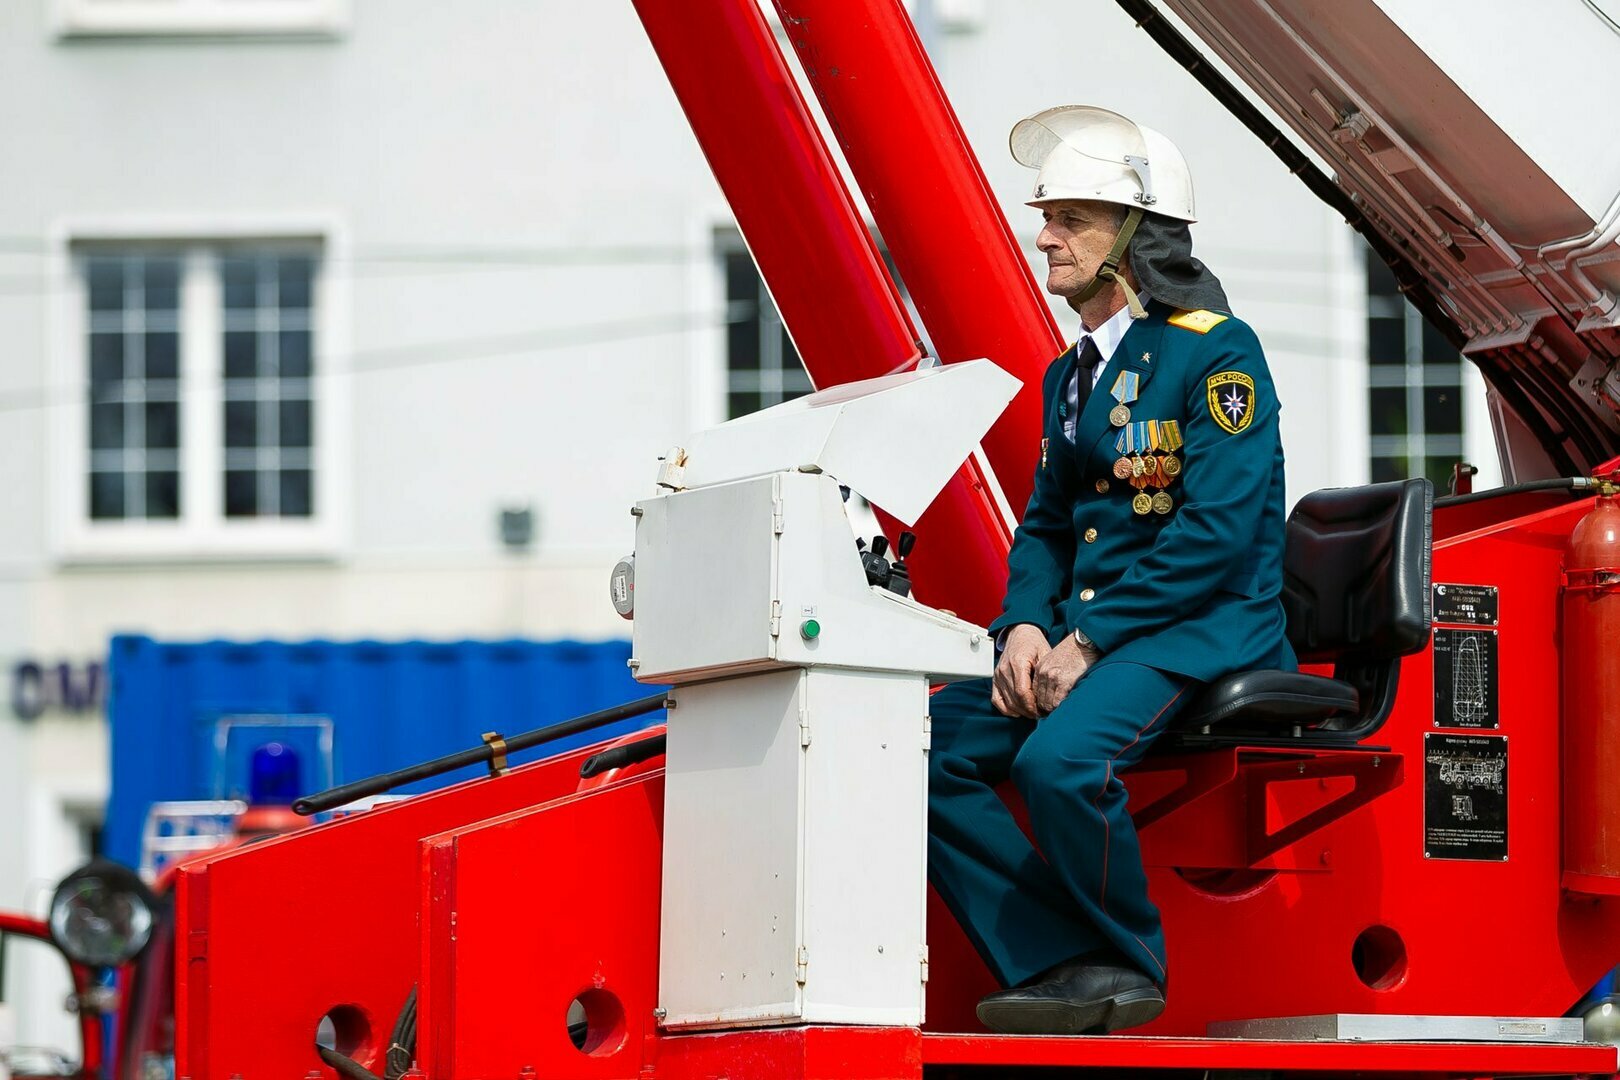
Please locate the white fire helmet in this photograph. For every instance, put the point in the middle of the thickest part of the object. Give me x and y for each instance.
(1084, 152)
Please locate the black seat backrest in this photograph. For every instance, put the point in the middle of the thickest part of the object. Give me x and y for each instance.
(1356, 572)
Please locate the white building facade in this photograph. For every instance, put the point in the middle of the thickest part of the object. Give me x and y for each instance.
(297, 296)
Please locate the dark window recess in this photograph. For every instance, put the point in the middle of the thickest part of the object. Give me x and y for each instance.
(269, 352)
(762, 366)
(132, 396)
(1415, 387)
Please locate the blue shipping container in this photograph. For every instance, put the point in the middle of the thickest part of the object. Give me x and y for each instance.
(390, 705)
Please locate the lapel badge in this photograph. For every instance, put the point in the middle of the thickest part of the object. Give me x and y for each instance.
(1146, 357)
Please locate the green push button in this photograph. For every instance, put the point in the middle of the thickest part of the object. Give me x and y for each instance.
(810, 629)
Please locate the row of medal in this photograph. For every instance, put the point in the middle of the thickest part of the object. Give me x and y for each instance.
(1146, 448)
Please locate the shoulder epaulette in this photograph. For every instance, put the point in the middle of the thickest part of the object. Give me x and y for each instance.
(1199, 322)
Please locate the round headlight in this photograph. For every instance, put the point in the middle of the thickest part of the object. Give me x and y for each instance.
(1602, 1022)
(101, 915)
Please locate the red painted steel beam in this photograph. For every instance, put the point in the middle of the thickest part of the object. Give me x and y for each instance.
(811, 245)
(930, 200)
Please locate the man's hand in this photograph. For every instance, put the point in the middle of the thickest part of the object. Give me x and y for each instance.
(1012, 691)
(1058, 671)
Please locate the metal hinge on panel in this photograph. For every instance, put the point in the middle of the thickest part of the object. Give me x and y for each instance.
(922, 956)
(804, 724)
(776, 618)
(801, 969)
(928, 734)
(776, 514)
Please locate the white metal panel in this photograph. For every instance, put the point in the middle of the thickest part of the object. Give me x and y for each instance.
(860, 627)
(865, 844)
(733, 810)
(1495, 50)
(896, 439)
(705, 579)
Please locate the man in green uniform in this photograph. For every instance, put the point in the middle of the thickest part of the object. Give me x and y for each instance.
(1148, 563)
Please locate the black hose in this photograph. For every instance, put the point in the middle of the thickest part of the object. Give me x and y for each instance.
(344, 1064)
(1573, 484)
(619, 757)
(376, 785)
(402, 1043)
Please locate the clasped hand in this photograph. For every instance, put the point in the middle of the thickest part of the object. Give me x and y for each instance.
(1033, 677)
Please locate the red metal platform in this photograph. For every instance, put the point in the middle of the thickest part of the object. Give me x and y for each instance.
(1150, 1052)
(805, 1052)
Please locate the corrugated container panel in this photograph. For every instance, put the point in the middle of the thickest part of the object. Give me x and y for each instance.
(391, 704)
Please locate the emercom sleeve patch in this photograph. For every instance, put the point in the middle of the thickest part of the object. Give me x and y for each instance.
(1231, 400)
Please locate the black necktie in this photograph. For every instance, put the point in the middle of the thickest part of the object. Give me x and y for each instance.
(1088, 360)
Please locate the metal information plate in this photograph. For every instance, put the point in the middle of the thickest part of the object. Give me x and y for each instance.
(1465, 679)
(1465, 797)
(1469, 604)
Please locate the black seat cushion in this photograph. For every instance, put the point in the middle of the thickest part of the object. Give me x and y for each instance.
(1271, 698)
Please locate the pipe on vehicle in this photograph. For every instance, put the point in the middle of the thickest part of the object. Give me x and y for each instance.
(1591, 701)
(811, 245)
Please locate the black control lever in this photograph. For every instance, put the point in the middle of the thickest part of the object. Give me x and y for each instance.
(872, 561)
(899, 576)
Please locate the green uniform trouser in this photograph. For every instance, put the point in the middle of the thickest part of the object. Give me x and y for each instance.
(1084, 888)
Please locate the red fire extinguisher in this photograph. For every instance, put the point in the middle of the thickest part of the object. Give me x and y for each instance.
(1591, 698)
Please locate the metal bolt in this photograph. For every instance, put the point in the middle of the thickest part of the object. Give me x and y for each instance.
(660, 1013)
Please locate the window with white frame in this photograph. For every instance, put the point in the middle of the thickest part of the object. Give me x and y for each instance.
(226, 17)
(199, 365)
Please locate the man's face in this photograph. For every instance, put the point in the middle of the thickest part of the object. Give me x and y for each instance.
(1077, 235)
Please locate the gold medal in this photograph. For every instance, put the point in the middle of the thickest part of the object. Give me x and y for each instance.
(1138, 466)
(1122, 469)
(1172, 465)
(1119, 416)
(1143, 503)
(1162, 502)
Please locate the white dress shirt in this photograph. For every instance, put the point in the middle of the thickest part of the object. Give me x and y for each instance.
(1107, 338)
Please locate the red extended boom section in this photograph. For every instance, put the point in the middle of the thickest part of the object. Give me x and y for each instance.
(1289, 884)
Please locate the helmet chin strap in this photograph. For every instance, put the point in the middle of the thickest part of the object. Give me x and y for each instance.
(1109, 270)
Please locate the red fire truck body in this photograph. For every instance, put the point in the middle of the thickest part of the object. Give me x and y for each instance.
(1293, 882)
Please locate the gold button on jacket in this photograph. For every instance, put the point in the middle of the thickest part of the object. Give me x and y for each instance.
(1091, 536)
(1087, 594)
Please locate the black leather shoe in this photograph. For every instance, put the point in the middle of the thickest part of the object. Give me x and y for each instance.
(1079, 997)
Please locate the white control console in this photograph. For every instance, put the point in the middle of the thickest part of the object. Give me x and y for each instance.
(795, 810)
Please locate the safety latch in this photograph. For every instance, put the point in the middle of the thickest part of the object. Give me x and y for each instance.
(497, 753)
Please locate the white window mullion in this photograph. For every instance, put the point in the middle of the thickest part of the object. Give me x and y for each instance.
(202, 363)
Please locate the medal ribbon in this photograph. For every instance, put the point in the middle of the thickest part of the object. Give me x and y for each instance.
(1126, 387)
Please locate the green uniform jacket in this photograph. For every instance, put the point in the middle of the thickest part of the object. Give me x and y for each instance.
(1193, 591)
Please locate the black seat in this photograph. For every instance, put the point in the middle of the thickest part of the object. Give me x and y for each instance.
(1356, 595)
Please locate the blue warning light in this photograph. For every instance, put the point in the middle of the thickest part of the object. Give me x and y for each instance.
(273, 775)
